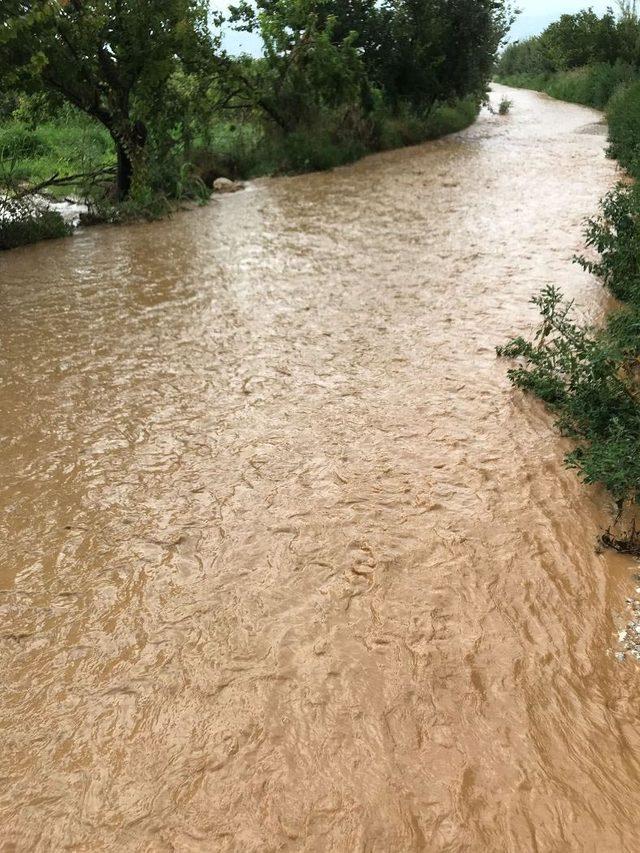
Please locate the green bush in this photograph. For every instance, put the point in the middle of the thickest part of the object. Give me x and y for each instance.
(615, 234)
(589, 377)
(589, 381)
(451, 118)
(592, 86)
(20, 142)
(20, 225)
(623, 115)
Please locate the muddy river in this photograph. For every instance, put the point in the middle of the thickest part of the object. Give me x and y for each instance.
(285, 563)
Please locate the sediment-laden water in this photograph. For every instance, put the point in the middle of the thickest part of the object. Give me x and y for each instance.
(285, 563)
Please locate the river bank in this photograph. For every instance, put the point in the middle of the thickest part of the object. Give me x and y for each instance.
(591, 86)
(237, 151)
(588, 376)
(284, 571)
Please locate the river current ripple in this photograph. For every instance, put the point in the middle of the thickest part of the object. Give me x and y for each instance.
(285, 562)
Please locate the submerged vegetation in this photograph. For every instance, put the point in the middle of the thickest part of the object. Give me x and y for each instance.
(590, 377)
(23, 221)
(132, 104)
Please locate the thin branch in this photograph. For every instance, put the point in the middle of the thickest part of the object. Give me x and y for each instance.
(56, 181)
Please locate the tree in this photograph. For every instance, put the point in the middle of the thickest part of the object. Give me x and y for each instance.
(414, 52)
(628, 9)
(306, 67)
(580, 39)
(474, 31)
(442, 49)
(110, 58)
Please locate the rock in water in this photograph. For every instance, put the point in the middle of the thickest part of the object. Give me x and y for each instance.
(224, 185)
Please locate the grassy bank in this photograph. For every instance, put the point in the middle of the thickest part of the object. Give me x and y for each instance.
(246, 149)
(70, 145)
(591, 86)
(590, 377)
(240, 150)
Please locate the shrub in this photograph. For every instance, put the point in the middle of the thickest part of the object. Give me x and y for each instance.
(451, 118)
(623, 114)
(590, 377)
(18, 141)
(615, 234)
(587, 380)
(21, 223)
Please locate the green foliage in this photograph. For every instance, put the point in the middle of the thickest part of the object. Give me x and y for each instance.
(305, 70)
(505, 106)
(523, 58)
(431, 55)
(592, 86)
(414, 53)
(575, 41)
(112, 60)
(581, 39)
(86, 84)
(615, 234)
(623, 115)
(589, 380)
(449, 118)
(22, 223)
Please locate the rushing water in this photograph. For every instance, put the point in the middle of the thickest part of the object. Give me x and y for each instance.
(285, 562)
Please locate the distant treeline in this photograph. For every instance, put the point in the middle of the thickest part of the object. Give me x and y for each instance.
(591, 377)
(575, 41)
(149, 85)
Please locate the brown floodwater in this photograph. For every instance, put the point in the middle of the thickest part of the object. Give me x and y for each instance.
(286, 564)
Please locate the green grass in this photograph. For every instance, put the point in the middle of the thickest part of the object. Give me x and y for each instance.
(32, 155)
(243, 149)
(591, 86)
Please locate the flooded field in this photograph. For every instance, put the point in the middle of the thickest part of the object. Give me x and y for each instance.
(285, 563)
